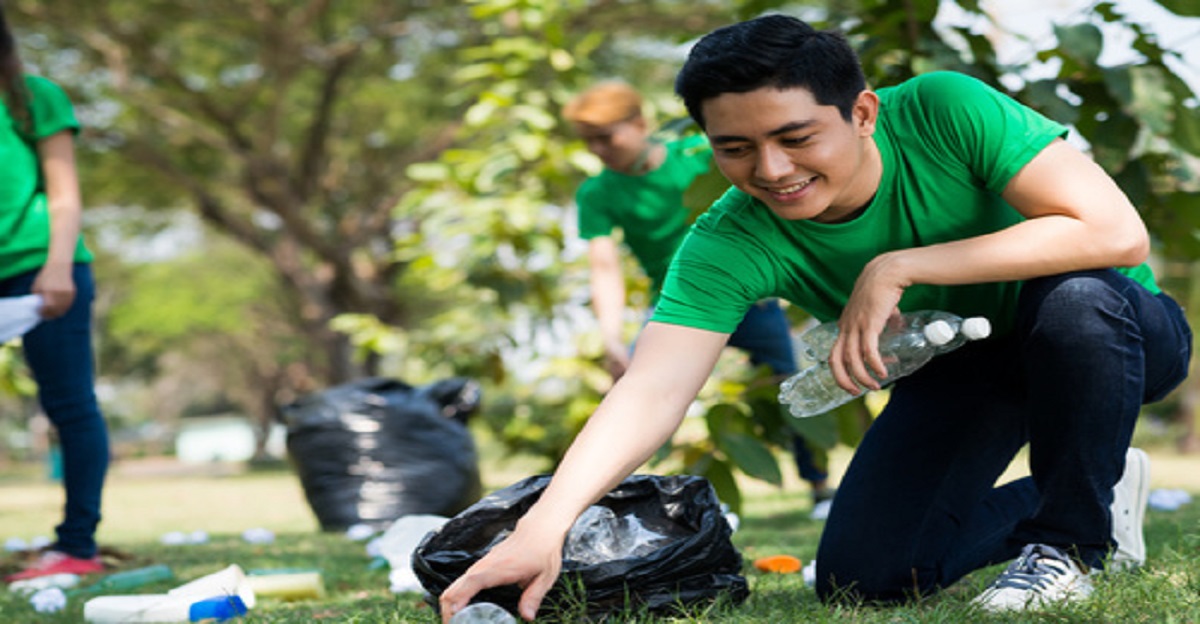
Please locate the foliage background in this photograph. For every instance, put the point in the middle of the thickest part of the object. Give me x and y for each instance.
(293, 193)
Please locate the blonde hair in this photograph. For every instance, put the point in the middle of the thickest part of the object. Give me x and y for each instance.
(604, 103)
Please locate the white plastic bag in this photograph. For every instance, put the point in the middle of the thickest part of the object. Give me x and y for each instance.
(18, 315)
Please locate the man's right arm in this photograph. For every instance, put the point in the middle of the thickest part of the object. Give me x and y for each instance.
(608, 301)
(641, 413)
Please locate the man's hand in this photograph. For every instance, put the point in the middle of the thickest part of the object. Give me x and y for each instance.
(855, 356)
(524, 558)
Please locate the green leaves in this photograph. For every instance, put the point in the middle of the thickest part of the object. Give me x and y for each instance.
(1080, 42)
(1188, 8)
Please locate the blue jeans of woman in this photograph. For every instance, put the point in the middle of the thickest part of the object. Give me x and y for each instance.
(918, 507)
(59, 354)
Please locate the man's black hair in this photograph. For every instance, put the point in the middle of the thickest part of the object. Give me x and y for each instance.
(771, 51)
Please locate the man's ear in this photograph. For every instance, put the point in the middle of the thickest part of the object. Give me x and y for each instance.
(865, 112)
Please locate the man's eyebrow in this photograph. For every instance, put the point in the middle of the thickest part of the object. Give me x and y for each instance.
(784, 129)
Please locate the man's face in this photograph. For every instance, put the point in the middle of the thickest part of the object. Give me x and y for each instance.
(801, 159)
(618, 144)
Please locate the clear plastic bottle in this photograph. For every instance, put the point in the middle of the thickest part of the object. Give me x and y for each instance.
(483, 613)
(905, 347)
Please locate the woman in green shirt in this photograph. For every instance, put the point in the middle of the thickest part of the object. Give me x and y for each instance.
(42, 252)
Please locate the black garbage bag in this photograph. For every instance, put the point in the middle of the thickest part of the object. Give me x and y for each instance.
(653, 542)
(373, 450)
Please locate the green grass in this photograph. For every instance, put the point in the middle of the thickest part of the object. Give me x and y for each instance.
(139, 509)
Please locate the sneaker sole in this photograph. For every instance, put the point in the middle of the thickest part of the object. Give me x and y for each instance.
(1128, 511)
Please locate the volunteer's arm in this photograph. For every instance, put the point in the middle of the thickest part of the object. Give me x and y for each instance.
(1077, 218)
(608, 301)
(54, 281)
(635, 418)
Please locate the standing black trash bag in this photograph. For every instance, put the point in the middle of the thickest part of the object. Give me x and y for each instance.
(655, 542)
(373, 450)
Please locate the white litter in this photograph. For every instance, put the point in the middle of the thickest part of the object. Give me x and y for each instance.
(18, 315)
(49, 600)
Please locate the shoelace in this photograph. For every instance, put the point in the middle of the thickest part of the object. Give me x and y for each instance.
(1034, 569)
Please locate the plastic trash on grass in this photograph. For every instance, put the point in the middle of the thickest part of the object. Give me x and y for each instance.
(221, 596)
(397, 544)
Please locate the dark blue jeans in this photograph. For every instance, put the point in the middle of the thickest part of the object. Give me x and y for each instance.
(764, 335)
(59, 353)
(918, 508)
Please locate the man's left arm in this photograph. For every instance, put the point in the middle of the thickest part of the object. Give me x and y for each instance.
(1077, 218)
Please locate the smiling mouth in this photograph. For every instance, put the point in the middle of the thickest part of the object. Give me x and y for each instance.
(791, 188)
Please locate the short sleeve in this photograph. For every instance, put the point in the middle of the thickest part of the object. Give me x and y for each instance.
(593, 217)
(994, 134)
(51, 109)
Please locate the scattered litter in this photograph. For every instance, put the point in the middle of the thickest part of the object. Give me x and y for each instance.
(258, 536)
(779, 564)
(37, 583)
(359, 532)
(49, 600)
(810, 573)
(483, 613)
(179, 538)
(730, 517)
(1168, 500)
(375, 548)
(821, 510)
(397, 544)
(162, 608)
(174, 538)
(39, 542)
(15, 544)
(287, 585)
(128, 579)
(219, 596)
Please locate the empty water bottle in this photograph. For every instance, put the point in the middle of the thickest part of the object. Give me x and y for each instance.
(483, 613)
(905, 346)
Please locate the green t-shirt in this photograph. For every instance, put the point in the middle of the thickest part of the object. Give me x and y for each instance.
(24, 218)
(649, 208)
(949, 144)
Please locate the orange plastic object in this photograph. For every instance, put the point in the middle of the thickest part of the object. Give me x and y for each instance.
(781, 564)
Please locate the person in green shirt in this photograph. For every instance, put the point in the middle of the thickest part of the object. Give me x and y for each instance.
(640, 192)
(854, 204)
(42, 253)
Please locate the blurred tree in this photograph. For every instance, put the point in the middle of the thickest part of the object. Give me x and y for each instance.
(400, 166)
(283, 124)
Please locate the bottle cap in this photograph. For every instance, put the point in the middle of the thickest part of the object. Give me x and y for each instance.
(976, 327)
(220, 608)
(939, 332)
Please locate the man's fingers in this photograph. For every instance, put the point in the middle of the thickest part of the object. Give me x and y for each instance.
(458, 595)
(532, 597)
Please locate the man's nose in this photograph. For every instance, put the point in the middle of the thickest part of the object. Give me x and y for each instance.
(773, 164)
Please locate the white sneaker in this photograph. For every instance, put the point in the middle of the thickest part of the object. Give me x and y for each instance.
(1128, 508)
(1042, 575)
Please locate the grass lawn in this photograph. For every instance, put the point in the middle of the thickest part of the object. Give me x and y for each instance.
(141, 505)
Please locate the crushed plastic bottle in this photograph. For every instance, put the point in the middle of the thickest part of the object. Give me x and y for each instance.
(905, 347)
(599, 536)
(483, 613)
